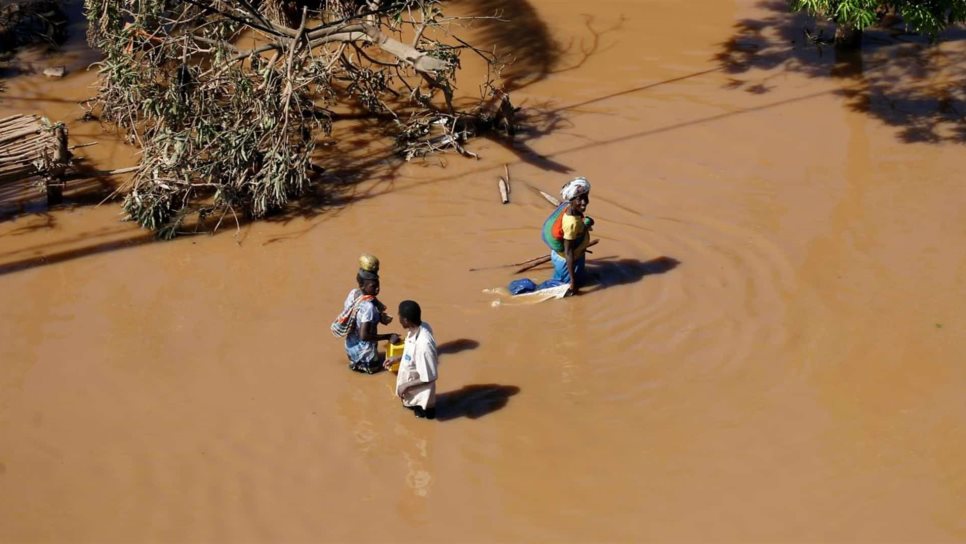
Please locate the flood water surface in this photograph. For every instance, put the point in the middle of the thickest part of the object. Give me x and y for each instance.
(775, 350)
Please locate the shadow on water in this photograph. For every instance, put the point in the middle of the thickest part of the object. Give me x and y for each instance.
(899, 78)
(455, 346)
(522, 41)
(520, 37)
(54, 257)
(354, 158)
(473, 401)
(84, 187)
(606, 273)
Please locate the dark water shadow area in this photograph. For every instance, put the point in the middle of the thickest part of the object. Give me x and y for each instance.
(473, 401)
(610, 272)
(59, 256)
(83, 187)
(896, 77)
(453, 347)
(522, 40)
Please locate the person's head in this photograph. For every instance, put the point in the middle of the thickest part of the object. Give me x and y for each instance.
(410, 314)
(368, 282)
(577, 192)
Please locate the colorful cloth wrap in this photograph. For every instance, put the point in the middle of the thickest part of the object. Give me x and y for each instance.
(344, 324)
(552, 231)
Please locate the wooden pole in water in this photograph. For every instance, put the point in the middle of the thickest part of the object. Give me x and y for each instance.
(551, 199)
(545, 259)
(521, 263)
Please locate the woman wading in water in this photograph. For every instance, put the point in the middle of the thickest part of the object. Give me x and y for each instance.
(567, 233)
(361, 315)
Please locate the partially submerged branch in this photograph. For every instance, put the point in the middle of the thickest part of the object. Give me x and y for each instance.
(230, 130)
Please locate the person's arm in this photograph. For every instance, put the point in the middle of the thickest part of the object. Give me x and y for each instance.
(384, 318)
(368, 321)
(367, 333)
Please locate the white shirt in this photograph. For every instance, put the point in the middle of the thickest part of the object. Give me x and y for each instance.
(419, 364)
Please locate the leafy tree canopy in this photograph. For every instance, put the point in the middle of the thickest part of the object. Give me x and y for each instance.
(929, 17)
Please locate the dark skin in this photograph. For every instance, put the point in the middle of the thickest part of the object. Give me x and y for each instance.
(577, 208)
(367, 331)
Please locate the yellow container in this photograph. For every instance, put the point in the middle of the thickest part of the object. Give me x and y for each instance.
(394, 350)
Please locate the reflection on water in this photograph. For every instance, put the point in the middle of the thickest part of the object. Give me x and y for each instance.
(777, 322)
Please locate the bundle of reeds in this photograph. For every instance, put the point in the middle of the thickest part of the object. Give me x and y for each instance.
(32, 147)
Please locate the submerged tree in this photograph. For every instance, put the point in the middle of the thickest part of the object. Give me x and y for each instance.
(929, 17)
(227, 130)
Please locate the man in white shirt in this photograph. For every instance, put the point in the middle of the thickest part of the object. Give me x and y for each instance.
(416, 381)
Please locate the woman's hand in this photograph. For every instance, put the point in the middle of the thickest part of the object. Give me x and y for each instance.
(385, 319)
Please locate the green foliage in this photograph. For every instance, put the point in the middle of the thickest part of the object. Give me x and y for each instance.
(219, 138)
(228, 132)
(929, 17)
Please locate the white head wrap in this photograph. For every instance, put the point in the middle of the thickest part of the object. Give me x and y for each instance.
(574, 188)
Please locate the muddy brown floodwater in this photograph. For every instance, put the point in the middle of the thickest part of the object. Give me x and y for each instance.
(777, 353)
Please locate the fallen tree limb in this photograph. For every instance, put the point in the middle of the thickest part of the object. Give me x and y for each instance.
(226, 131)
